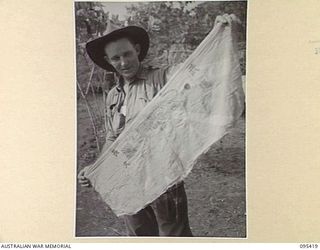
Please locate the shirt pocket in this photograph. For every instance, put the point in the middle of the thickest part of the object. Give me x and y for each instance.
(143, 99)
(113, 104)
(116, 119)
(113, 115)
(112, 108)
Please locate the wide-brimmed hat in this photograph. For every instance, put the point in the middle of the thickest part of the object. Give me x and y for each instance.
(95, 48)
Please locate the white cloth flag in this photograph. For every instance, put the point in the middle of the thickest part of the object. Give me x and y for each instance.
(196, 108)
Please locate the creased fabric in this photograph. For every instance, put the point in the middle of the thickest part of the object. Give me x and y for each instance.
(196, 108)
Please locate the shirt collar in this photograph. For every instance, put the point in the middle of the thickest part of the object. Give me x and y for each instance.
(141, 75)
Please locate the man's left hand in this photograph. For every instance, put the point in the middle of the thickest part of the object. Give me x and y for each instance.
(227, 19)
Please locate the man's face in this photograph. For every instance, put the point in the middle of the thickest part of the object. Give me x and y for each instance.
(123, 56)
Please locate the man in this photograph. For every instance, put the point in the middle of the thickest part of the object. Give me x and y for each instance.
(121, 50)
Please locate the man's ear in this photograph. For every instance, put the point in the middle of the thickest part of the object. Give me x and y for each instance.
(106, 58)
(138, 48)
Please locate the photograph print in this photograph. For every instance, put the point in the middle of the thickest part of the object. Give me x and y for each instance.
(161, 121)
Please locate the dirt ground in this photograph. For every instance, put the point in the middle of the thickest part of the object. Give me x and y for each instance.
(216, 188)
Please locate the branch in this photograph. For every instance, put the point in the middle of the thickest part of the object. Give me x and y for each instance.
(90, 115)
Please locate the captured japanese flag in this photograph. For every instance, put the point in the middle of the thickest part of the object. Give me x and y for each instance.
(196, 108)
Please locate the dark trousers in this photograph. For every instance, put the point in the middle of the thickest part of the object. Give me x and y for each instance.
(166, 216)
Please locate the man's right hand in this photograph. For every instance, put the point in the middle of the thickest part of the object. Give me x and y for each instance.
(84, 181)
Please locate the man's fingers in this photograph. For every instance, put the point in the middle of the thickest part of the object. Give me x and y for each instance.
(81, 174)
(227, 18)
(86, 185)
(235, 18)
(84, 181)
(80, 177)
(220, 19)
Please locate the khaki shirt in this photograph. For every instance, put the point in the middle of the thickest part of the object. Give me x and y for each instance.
(124, 102)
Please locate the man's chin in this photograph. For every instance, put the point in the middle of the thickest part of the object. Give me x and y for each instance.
(127, 75)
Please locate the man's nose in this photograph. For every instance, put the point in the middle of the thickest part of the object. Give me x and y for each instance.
(123, 61)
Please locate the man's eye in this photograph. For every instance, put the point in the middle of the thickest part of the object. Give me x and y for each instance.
(115, 58)
(127, 54)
